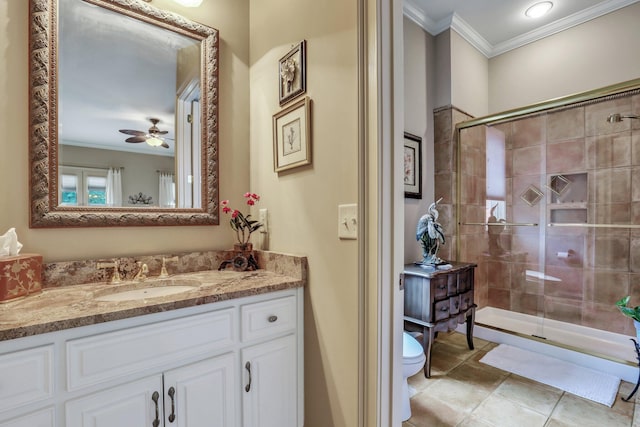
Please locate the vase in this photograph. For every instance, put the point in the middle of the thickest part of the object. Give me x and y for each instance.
(243, 258)
(637, 325)
(243, 247)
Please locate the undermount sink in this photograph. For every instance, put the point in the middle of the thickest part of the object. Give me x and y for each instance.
(146, 290)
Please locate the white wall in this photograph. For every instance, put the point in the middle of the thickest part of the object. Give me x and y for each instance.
(592, 55)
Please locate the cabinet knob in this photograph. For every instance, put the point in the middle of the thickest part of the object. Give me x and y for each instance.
(272, 318)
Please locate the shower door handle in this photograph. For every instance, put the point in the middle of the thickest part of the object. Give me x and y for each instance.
(512, 224)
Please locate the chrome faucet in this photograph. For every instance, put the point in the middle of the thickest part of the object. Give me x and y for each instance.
(163, 271)
(143, 270)
(116, 273)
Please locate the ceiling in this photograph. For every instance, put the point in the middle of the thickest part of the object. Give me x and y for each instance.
(114, 72)
(497, 26)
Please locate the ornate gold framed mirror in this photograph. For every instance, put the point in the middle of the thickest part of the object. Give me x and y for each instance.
(123, 126)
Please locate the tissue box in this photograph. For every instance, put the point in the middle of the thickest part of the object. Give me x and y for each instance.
(20, 275)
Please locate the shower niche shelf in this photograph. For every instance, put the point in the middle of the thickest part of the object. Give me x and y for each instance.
(568, 198)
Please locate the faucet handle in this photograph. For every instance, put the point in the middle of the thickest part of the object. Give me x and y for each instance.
(163, 270)
(142, 271)
(116, 274)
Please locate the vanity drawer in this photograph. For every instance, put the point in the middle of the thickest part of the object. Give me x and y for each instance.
(103, 357)
(267, 318)
(26, 376)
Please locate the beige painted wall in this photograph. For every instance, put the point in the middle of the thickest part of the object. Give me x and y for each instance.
(442, 64)
(231, 18)
(469, 77)
(595, 54)
(303, 202)
(419, 48)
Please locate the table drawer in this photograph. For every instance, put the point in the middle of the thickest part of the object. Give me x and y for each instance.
(454, 305)
(466, 300)
(441, 310)
(439, 286)
(26, 376)
(267, 318)
(465, 280)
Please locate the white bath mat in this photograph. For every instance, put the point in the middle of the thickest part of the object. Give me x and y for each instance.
(567, 376)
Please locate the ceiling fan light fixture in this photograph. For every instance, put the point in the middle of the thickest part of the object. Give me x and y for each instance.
(189, 3)
(539, 9)
(154, 142)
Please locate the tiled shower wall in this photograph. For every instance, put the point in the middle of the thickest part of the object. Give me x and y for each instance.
(587, 268)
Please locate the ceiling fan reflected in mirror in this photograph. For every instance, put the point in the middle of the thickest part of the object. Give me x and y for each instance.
(152, 137)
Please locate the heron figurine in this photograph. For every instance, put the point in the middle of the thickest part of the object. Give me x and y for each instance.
(430, 234)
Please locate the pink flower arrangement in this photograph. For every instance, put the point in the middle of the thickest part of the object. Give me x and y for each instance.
(242, 224)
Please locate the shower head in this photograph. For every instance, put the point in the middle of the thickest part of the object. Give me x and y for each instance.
(616, 117)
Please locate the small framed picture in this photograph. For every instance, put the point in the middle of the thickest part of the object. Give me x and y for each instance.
(412, 166)
(292, 73)
(292, 136)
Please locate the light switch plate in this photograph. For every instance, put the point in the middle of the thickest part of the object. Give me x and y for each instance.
(348, 221)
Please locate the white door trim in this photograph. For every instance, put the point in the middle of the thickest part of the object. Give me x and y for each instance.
(381, 195)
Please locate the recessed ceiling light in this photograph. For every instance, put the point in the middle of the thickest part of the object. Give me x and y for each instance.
(189, 3)
(539, 9)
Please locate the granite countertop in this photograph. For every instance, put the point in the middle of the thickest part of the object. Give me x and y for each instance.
(72, 306)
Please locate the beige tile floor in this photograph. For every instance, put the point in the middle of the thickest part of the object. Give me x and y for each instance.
(463, 392)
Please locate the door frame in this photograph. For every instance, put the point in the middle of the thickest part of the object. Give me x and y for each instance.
(381, 210)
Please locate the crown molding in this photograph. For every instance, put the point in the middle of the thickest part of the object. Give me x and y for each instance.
(414, 12)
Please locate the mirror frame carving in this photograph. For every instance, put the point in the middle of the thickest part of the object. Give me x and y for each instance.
(43, 124)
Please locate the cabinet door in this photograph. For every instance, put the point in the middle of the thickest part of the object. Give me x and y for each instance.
(269, 395)
(42, 418)
(202, 394)
(131, 404)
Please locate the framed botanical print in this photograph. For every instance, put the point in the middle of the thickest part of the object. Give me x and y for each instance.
(292, 73)
(412, 166)
(292, 136)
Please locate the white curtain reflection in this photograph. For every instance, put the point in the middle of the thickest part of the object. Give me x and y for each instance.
(167, 193)
(113, 188)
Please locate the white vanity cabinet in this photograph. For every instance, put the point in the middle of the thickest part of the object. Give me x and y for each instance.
(269, 396)
(224, 364)
(200, 394)
(269, 392)
(26, 380)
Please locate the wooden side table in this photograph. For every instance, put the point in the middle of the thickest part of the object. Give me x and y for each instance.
(437, 301)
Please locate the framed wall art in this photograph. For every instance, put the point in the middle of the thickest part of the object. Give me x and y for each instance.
(412, 166)
(292, 73)
(292, 136)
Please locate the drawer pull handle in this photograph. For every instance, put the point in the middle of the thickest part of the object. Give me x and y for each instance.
(247, 366)
(155, 396)
(442, 287)
(444, 309)
(272, 318)
(172, 394)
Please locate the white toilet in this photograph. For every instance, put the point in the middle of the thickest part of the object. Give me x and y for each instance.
(413, 359)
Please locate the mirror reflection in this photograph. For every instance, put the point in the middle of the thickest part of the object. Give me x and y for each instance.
(123, 116)
(121, 83)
